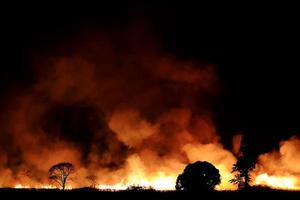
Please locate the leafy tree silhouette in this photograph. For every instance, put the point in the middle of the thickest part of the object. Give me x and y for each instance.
(60, 172)
(244, 165)
(198, 176)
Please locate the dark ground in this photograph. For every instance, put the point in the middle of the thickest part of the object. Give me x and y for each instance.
(6, 193)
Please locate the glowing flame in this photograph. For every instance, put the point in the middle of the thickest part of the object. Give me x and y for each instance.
(164, 177)
(277, 182)
(164, 183)
(119, 186)
(161, 183)
(47, 187)
(20, 186)
(280, 169)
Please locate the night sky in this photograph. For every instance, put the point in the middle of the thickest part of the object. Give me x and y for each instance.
(255, 49)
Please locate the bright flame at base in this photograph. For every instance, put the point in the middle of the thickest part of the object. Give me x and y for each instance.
(167, 183)
(161, 183)
(20, 186)
(277, 182)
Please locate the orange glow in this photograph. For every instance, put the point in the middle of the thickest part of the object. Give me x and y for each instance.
(163, 176)
(280, 169)
(159, 183)
(19, 186)
(277, 182)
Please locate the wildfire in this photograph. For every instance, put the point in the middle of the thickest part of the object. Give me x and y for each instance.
(119, 186)
(20, 186)
(277, 182)
(48, 187)
(159, 182)
(165, 178)
(164, 183)
(280, 169)
(125, 113)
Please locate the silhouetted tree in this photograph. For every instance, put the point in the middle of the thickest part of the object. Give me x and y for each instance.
(93, 180)
(244, 165)
(60, 172)
(198, 176)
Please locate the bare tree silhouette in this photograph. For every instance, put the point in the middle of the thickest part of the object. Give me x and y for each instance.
(60, 172)
(92, 179)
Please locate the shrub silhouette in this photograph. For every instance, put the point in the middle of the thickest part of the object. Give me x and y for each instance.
(198, 176)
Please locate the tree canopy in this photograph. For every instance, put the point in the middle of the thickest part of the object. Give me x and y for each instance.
(198, 176)
(60, 172)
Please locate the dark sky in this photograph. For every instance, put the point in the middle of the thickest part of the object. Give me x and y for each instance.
(256, 49)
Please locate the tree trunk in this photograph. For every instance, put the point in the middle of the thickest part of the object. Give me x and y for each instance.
(247, 180)
(64, 184)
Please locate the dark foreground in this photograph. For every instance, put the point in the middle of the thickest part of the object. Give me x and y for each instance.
(87, 193)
